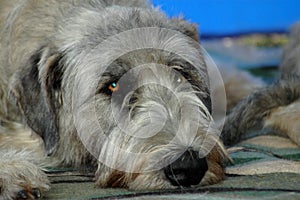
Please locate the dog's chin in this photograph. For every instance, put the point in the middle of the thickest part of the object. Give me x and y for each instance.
(158, 181)
(155, 180)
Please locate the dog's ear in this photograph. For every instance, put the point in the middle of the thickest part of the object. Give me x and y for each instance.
(187, 28)
(36, 89)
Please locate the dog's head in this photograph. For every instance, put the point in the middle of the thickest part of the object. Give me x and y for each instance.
(135, 91)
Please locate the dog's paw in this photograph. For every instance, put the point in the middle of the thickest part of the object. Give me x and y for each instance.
(21, 180)
(34, 193)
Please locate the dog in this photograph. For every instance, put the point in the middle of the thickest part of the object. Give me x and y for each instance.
(114, 87)
(119, 89)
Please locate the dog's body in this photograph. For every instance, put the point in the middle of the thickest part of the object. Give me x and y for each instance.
(110, 86)
(63, 62)
(275, 107)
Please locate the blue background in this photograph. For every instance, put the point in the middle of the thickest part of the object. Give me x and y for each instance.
(227, 17)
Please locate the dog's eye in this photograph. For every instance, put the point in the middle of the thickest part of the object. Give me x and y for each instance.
(179, 75)
(114, 87)
(179, 79)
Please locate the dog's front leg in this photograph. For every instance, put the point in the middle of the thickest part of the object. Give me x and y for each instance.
(20, 178)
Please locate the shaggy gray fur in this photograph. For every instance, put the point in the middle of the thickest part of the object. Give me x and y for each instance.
(58, 60)
(252, 113)
(249, 115)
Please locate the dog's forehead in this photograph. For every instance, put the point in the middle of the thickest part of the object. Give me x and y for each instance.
(147, 57)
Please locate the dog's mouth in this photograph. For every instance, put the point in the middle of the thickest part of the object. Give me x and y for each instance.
(189, 169)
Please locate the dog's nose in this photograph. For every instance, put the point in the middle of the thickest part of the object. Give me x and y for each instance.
(187, 170)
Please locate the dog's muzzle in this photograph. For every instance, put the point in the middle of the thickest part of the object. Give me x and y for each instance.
(187, 170)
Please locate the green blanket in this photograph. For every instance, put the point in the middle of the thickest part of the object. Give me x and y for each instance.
(265, 167)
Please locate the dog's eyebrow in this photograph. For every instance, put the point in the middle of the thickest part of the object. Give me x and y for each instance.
(177, 67)
(111, 76)
(115, 70)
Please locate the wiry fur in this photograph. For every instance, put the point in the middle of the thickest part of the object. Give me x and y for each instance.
(21, 163)
(52, 53)
(274, 107)
(20, 170)
(252, 113)
(57, 58)
(238, 84)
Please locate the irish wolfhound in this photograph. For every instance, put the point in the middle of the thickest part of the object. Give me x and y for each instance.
(115, 87)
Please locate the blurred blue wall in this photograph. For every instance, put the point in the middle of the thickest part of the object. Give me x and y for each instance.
(223, 17)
